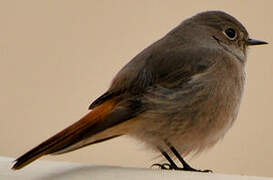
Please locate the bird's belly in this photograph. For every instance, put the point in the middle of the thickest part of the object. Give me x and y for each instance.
(190, 128)
(207, 124)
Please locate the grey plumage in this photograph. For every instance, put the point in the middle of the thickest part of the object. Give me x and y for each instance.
(184, 90)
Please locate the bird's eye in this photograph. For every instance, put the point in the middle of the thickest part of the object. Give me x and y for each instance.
(230, 33)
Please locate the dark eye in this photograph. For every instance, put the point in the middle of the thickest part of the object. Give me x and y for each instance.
(230, 33)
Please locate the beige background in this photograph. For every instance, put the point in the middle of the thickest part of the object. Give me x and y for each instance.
(58, 56)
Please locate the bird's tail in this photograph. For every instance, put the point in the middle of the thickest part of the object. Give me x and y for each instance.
(75, 136)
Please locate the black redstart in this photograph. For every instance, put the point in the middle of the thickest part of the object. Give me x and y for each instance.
(180, 95)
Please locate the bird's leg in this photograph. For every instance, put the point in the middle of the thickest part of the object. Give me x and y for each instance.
(167, 166)
(171, 165)
(186, 166)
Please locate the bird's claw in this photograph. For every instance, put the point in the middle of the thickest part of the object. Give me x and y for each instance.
(164, 166)
(194, 170)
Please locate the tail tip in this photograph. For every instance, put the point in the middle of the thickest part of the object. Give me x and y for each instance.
(15, 165)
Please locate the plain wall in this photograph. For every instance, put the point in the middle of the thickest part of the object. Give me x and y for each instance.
(58, 56)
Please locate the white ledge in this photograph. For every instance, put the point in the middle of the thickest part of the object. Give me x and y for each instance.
(63, 170)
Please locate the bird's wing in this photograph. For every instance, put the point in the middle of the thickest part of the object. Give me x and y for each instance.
(161, 66)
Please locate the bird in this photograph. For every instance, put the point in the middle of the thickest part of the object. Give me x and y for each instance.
(179, 95)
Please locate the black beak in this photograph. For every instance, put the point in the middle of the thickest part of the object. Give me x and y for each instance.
(252, 42)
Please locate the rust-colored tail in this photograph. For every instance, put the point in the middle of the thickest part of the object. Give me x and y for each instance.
(69, 136)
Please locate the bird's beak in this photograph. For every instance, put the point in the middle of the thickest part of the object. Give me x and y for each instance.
(251, 42)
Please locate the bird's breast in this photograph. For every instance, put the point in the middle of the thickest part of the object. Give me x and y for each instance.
(221, 107)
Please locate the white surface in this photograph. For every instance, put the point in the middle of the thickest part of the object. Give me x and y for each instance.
(63, 170)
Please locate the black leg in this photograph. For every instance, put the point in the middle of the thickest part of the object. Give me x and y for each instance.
(169, 166)
(186, 166)
(172, 165)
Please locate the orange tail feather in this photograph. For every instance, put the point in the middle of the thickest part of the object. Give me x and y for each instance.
(67, 135)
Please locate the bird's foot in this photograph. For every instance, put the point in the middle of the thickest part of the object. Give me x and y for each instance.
(166, 166)
(194, 170)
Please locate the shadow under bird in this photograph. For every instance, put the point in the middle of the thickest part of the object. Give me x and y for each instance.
(180, 95)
